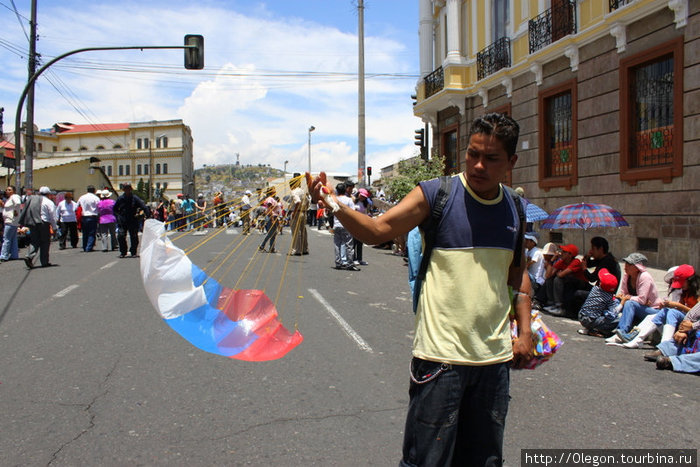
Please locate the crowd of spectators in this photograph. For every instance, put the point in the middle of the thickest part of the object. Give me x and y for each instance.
(622, 305)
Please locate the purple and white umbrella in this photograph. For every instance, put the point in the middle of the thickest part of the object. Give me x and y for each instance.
(584, 216)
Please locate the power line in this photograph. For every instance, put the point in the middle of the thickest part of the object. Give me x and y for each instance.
(19, 19)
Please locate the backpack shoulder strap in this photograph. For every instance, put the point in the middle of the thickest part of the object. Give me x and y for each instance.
(517, 200)
(431, 227)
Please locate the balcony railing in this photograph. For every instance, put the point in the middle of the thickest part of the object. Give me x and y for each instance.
(434, 82)
(493, 58)
(555, 23)
(615, 4)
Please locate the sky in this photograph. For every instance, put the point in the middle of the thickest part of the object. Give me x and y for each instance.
(272, 69)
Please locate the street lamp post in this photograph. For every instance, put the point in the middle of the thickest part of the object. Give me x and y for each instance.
(311, 128)
(285, 170)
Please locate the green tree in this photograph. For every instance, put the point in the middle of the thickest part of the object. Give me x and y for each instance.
(141, 190)
(412, 171)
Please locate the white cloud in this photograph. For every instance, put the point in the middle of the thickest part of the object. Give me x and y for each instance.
(244, 101)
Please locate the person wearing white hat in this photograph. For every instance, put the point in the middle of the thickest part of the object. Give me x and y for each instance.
(107, 227)
(245, 211)
(39, 214)
(535, 261)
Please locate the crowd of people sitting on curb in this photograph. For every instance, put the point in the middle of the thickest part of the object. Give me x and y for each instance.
(622, 306)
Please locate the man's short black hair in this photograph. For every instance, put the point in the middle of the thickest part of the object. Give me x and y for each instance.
(600, 242)
(349, 183)
(91, 188)
(504, 128)
(340, 188)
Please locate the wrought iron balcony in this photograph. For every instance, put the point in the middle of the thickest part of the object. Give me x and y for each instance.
(493, 58)
(555, 23)
(615, 4)
(434, 82)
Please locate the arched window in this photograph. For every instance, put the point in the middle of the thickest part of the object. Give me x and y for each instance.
(117, 146)
(165, 168)
(138, 169)
(100, 147)
(109, 170)
(145, 169)
(83, 148)
(138, 143)
(157, 169)
(127, 170)
(121, 170)
(165, 141)
(67, 149)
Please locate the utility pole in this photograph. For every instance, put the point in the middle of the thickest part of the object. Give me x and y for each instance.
(361, 93)
(31, 68)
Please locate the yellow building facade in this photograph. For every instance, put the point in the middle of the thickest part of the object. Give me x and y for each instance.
(607, 95)
(159, 152)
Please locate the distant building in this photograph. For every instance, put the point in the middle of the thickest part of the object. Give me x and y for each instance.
(606, 94)
(155, 151)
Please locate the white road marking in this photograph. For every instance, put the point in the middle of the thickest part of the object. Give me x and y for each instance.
(343, 324)
(109, 265)
(66, 291)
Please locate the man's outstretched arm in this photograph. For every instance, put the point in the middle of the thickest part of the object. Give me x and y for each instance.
(400, 219)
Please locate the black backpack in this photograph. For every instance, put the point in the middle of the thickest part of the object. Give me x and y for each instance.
(429, 228)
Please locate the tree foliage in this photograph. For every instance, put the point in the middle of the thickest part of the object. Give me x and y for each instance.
(412, 171)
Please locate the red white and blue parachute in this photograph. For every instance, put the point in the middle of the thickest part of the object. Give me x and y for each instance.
(240, 324)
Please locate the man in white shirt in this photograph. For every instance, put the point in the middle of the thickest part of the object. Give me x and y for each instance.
(65, 215)
(89, 220)
(342, 240)
(535, 261)
(10, 214)
(246, 209)
(39, 214)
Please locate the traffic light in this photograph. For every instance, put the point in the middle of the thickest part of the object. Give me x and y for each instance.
(420, 138)
(194, 55)
(369, 170)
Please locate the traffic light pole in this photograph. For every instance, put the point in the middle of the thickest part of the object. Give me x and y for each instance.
(28, 163)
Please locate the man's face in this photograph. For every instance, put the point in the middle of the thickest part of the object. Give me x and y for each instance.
(68, 196)
(487, 164)
(596, 252)
(127, 190)
(566, 257)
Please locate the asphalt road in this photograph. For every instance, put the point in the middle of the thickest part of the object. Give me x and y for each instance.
(90, 375)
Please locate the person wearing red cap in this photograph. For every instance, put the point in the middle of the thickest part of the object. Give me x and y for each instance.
(599, 314)
(671, 314)
(566, 281)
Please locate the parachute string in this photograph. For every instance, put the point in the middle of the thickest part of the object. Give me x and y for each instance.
(224, 262)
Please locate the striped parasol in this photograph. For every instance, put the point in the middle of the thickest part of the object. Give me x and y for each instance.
(533, 212)
(584, 216)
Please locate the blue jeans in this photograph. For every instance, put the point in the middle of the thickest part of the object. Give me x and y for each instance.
(89, 226)
(668, 316)
(343, 247)
(686, 363)
(456, 415)
(271, 227)
(634, 311)
(9, 243)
